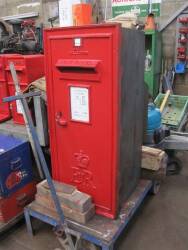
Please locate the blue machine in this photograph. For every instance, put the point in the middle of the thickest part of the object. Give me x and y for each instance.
(15, 164)
(154, 125)
(180, 68)
(154, 118)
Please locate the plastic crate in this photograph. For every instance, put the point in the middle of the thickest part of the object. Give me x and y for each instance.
(174, 111)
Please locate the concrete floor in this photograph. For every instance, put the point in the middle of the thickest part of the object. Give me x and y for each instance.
(161, 223)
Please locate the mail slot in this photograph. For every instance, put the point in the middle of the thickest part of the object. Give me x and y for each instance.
(95, 90)
(82, 69)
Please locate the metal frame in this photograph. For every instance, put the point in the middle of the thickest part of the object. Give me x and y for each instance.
(178, 141)
(24, 15)
(173, 17)
(178, 26)
(105, 245)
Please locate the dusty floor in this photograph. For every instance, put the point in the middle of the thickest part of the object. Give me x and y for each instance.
(161, 223)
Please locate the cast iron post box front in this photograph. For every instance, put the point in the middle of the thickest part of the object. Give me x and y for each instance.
(95, 91)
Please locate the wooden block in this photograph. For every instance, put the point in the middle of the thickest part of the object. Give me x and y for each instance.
(68, 212)
(153, 159)
(60, 187)
(68, 195)
(159, 175)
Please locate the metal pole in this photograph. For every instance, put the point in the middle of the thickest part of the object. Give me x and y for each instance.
(106, 6)
(150, 7)
(42, 160)
(18, 91)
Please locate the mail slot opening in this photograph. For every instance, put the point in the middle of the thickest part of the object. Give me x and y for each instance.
(77, 69)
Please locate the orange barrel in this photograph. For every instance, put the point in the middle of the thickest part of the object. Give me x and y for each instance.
(82, 14)
(150, 22)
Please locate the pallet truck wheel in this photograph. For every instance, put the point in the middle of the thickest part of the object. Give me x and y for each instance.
(156, 187)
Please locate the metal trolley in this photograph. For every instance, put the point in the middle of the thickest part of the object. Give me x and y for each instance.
(100, 231)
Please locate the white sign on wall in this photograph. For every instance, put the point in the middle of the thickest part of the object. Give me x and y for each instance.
(137, 6)
(65, 12)
(132, 2)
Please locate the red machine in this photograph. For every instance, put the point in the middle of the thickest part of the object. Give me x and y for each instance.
(95, 105)
(28, 68)
(14, 204)
(5, 113)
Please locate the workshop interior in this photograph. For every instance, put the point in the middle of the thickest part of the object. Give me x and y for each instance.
(93, 124)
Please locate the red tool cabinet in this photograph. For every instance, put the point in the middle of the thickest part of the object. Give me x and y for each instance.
(95, 91)
(28, 68)
(5, 113)
(14, 204)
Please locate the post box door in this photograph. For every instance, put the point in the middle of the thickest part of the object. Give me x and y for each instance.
(83, 116)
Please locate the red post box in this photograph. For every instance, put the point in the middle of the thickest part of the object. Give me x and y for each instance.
(28, 68)
(5, 113)
(95, 88)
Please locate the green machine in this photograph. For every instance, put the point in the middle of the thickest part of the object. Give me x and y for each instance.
(153, 61)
